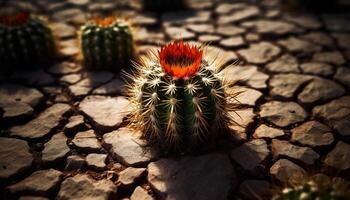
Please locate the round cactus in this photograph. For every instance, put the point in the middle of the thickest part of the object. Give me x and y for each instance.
(178, 97)
(163, 5)
(315, 191)
(26, 41)
(106, 43)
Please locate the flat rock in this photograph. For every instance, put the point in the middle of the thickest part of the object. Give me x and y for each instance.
(285, 63)
(232, 42)
(332, 57)
(42, 182)
(74, 123)
(343, 75)
(343, 39)
(312, 133)
(225, 8)
(56, 149)
(140, 194)
(306, 21)
(287, 172)
(70, 78)
(63, 30)
(247, 96)
(243, 118)
(188, 16)
(32, 198)
(19, 93)
(317, 68)
(260, 53)
(14, 110)
(130, 175)
(285, 86)
(264, 131)
(36, 129)
(186, 178)
(239, 15)
(229, 30)
(209, 38)
(106, 113)
(82, 187)
(254, 189)
(177, 33)
(320, 90)
(271, 27)
(86, 141)
(250, 154)
(282, 114)
(302, 154)
(75, 162)
(339, 157)
(200, 28)
(336, 113)
(116, 86)
(96, 161)
(125, 145)
(14, 157)
(296, 45)
(246, 74)
(319, 38)
(64, 68)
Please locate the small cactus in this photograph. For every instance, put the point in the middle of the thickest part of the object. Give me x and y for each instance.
(178, 97)
(316, 191)
(106, 43)
(26, 41)
(163, 5)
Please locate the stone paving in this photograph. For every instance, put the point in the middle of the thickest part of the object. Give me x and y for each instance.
(63, 133)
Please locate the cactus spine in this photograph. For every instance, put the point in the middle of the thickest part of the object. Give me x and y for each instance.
(26, 41)
(163, 5)
(106, 43)
(178, 97)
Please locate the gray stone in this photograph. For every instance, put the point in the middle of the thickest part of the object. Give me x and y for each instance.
(297, 45)
(177, 33)
(130, 175)
(319, 38)
(225, 8)
(145, 19)
(92, 81)
(306, 21)
(260, 53)
(282, 114)
(284, 148)
(264, 131)
(96, 161)
(247, 96)
(56, 149)
(42, 182)
(106, 113)
(271, 27)
(255, 189)
(70, 78)
(186, 178)
(182, 17)
(242, 118)
(343, 75)
(312, 133)
(74, 123)
(125, 145)
(317, 68)
(74, 162)
(285, 86)
(116, 86)
(239, 15)
(332, 57)
(86, 141)
(209, 38)
(200, 28)
(36, 129)
(339, 157)
(320, 90)
(285, 63)
(140, 194)
(21, 94)
(82, 187)
(232, 42)
(229, 30)
(14, 157)
(246, 74)
(250, 154)
(13, 110)
(287, 172)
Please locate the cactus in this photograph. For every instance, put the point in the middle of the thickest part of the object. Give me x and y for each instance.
(316, 191)
(178, 98)
(106, 43)
(26, 41)
(163, 5)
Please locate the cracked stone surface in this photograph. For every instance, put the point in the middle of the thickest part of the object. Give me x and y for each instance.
(293, 121)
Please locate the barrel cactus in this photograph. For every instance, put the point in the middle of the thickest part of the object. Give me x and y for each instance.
(26, 41)
(178, 98)
(106, 43)
(163, 5)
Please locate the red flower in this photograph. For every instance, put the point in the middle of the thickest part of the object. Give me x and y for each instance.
(104, 22)
(14, 20)
(180, 60)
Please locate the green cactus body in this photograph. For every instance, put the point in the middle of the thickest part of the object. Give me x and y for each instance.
(175, 104)
(163, 5)
(106, 44)
(25, 41)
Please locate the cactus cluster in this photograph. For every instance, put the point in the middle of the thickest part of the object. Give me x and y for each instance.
(163, 5)
(179, 99)
(316, 190)
(106, 43)
(25, 41)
